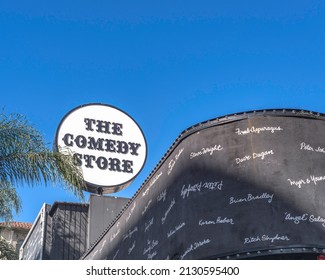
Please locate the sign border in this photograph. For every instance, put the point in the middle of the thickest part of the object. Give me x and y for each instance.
(103, 189)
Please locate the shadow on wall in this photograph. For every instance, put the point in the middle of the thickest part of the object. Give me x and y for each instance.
(245, 188)
(67, 231)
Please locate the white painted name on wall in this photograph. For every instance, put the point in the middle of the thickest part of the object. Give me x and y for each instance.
(162, 196)
(114, 257)
(177, 228)
(163, 219)
(151, 244)
(219, 220)
(173, 161)
(266, 238)
(250, 197)
(130, 233)
(209, 150)
(297, 219)
(146, 207)
(307, 147)
(131, 211)
(131, 248)
(195, 246)
(152, 255)
(317, 219)
(305, 218)
(102, 247)
(148, 225)
(114, 235)
(216, 185)
(152, 182)
(258, 130)
(155, 179)
(254, 156)
(312, 179)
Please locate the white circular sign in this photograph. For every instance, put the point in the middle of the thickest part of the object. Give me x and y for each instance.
(106, 143)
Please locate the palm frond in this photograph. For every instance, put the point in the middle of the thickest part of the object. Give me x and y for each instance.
(25, 158)
(9, 201)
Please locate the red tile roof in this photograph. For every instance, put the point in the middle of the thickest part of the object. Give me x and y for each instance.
(21, 225)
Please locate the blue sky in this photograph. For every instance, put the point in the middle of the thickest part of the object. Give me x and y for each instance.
(168, 64)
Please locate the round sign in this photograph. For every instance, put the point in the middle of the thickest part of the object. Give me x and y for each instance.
(106, 143)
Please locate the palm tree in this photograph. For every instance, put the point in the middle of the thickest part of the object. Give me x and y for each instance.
(7, 252)
(25, 158)
(9, 201)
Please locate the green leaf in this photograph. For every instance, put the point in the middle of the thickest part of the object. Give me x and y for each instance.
(25, 158)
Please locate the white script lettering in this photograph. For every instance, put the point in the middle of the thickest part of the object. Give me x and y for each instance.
(185, 192)
(209, 150)
(258, 130)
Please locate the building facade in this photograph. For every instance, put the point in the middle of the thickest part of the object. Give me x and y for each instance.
(244, 186)
(14, 233)
(249, 185)
(64, 230)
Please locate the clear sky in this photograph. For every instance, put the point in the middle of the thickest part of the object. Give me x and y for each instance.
(168, 64)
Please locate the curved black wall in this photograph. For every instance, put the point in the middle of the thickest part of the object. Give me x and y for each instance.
(242, 184)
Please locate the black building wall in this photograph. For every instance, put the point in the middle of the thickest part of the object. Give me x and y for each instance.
(58, 233)
(64, 230)
(102, 211)
(67, 238)
(244, 185)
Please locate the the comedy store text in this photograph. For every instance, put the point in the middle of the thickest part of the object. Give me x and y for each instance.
(116, 149)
